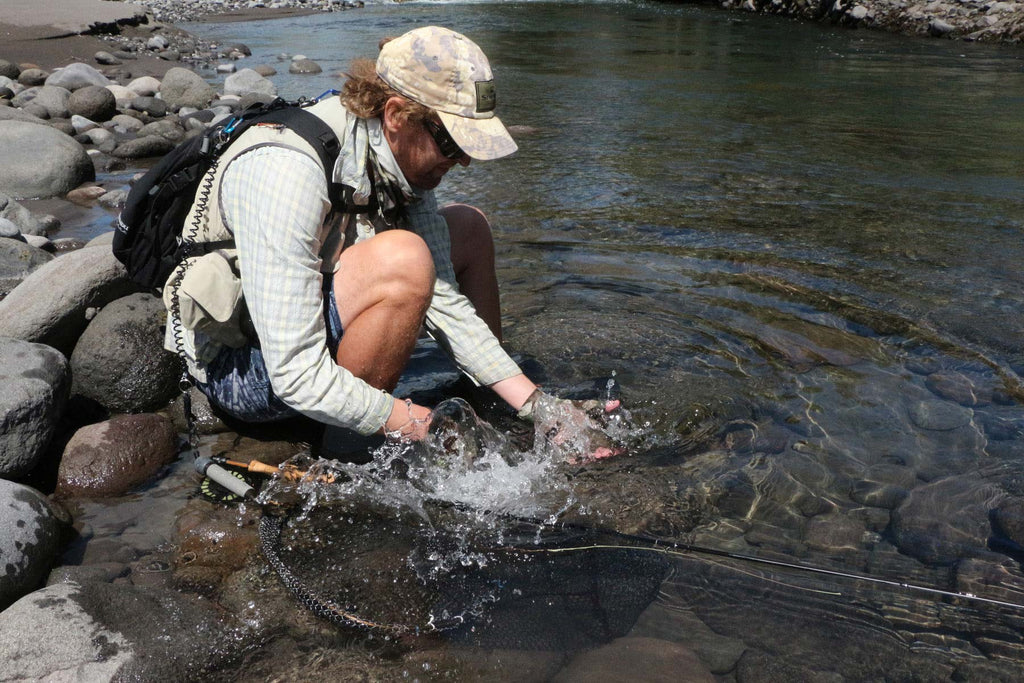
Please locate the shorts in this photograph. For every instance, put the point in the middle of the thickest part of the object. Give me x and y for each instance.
(237, 381)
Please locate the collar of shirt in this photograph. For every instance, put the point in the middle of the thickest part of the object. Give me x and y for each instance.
(360, 137)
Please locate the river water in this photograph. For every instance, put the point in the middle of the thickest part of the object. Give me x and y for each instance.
(797, 250)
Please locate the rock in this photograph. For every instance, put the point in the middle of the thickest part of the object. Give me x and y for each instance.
(1008, 520)
(49, 306)
(27, 222)
(957, 388)
(859, 12)
(939, 416)
(164, 128)
(121, 94)
(157, 43)
(106, 59)
(85, 195)
(304, 66)
(153, 106)
(939, 28)
(30, 543)
(181, 88)
(36, 110)
(140, 148)
(64, 126)
(54, 99)
(100, 137)
(36, 381)
(31, 77)
(120, 362)
(111, 458)
(14, 114)
(126, 123)
(9, 69)
(103, 632)
(18, 258)
(265, 70)
(226, 68)
(81, 124)
(248, 81)
(631, 659)
(75, 76)
(144, 86)
(10, 230)
(945, 520)
(94, 102)
(40, 162)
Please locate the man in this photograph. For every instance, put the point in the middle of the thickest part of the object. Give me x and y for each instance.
(337, 293)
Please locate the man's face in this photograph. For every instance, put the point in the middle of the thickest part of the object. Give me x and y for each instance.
(415, 151)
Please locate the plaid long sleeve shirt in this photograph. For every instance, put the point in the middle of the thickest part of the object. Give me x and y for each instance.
(275, 201)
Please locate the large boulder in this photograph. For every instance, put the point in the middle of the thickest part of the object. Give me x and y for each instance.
(51, 305)
(120, 361)
(184, 88)
(35, 380)
(104, 632)
(248, 81)
(75, 76)
(40, 161)
(111, 458)
(30, 542)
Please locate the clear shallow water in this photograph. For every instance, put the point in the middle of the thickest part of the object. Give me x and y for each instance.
(798, 250)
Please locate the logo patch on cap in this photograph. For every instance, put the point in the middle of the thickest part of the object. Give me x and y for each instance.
(486, 97)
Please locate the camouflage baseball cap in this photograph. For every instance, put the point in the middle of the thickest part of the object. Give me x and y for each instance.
(448, 72)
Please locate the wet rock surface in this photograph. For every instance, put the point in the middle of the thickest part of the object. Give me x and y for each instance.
(33, 534)
(110, 458)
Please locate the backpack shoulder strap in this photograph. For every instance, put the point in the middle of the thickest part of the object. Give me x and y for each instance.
(312, 129)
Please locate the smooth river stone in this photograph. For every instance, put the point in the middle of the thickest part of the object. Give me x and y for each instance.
(939, 416)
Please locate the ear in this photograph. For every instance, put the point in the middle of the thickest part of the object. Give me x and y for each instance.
(390, 118)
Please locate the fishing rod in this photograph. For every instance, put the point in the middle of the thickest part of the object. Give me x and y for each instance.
(639, 541)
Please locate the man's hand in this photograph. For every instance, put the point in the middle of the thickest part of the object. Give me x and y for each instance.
(408, 421)
(574, 429)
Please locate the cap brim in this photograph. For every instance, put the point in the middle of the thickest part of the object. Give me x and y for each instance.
(482, 139)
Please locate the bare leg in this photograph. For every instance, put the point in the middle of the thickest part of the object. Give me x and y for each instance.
(473, 260)
(383, 288)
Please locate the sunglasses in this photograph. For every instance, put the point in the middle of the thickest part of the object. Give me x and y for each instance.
(448, 147)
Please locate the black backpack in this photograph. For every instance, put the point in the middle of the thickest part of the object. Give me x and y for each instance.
(148, 238)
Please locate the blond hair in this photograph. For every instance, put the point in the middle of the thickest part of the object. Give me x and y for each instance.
(365, 94)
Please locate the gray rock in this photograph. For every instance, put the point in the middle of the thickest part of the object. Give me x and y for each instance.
(49, 306)
(181, 88)
(94, 102)
(30, 542)
(625, 659)
(36, 110)
(165, 128)
(145, 86)
(157, 43)
(113, 457)
(304, 66)
(15, 114)
(140, 148)
(265, 70)
(18, 259)
(169, 55)
(129, 328)
(82, 124)
(127, 123)
(98, 136)
(36, 381)
(54, 99)
(48, 636)
(28, 223)
(114, 199)
(102, 240)
(151, 105)
(10, 230)
(9, 69)
(248, 81)
(106, 59)
(939, 28)
(103, 632)
(32, 77)
(77, 75)
(40, 161)
(64, 126)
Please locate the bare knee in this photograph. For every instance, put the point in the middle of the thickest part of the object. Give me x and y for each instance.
(404, 264)
(471, 235)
